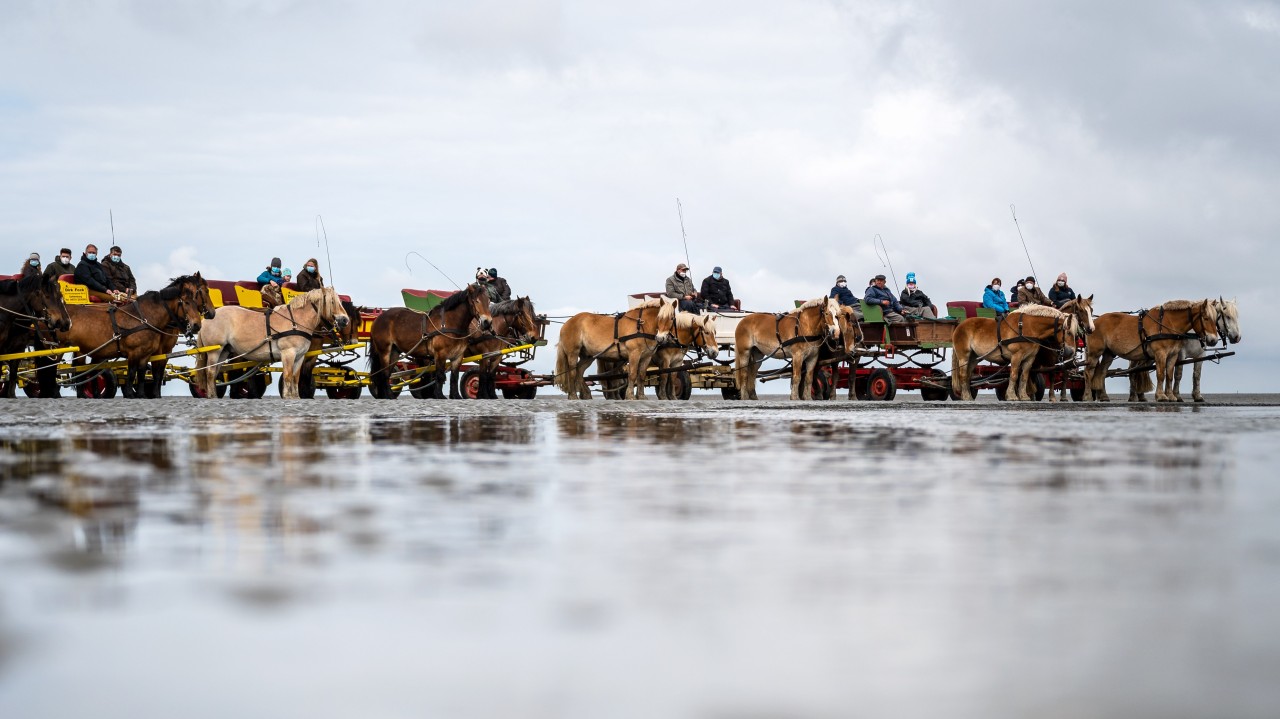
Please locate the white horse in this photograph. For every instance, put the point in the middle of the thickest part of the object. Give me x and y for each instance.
(282, 334)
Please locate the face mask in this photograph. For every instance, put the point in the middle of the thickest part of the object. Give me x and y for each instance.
(715, 275)
(1030, 285)
(842, 284)
(684, 274)
(275, 272)
(912, 287)
(35, 263)
(995, 287)
(115, 258)
(311, 269)
(66, 260)
(91, 256)
(1061, 283)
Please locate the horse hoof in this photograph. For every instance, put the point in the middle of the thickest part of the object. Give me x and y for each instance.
(1198, 399)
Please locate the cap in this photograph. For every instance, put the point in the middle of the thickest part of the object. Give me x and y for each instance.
(840, 278)
(911, 277)
(34, 256)
(1030, 279)
(879, 277)
(681, 266)
(275, 261)
(287, 271)
(716, 269)
(493, 272)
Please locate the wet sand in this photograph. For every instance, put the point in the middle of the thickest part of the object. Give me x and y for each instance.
(605, 559)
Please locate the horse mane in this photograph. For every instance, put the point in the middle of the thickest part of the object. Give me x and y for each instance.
(1039, 311)
(652, 302)
(812, 303)
(1180, 304)
(508, 308)
(685, 320)
(30, 283)
(314, 296)
(455, 300)
(180, 279)
(167, 293)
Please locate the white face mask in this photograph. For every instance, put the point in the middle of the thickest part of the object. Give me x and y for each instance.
(995, 287)
(683, 273)
(1062, 283)
(66, 260)
(1031, 285)
(842, 284)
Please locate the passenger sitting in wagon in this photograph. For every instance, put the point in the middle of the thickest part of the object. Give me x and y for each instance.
(60, 266)
(878, 294)
(272, 279)
(310, 278)
(89, 273)
(716, 291)
(31, 266)
(499, 284)
(121, 275)
(845, 296)
(993, 298)
(680, 287)
(914, 302)
(1061, 293)
(1029, 294)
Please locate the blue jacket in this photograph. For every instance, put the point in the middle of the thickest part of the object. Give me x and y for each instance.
(844, 295)
(876, 295)
(266, 277)
(994, 300)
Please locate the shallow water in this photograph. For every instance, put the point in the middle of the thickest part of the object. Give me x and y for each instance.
(701, 559)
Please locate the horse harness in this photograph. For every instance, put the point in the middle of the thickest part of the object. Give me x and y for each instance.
(797, 338)
(1146, 339)
(1001, 343)
(175, 322)
(293, 331)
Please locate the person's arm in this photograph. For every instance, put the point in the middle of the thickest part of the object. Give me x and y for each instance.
(728, 291)
(86, 278)
(671, 289)
(132, 283)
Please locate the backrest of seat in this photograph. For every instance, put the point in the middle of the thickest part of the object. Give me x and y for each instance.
(871, 313)
(423, 300)
(226, 292)
(72, 293)
(247, 296)
(985, 312)
(967, 308)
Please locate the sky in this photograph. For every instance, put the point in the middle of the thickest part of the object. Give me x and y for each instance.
(551, 140)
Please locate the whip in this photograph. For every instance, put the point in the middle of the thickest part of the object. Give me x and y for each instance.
(328, 260)
(885, 260)
(683, 236)
(433, 265)
(1014, 211)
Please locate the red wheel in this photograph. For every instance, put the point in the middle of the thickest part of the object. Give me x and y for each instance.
(470, 384)
(881, 386)
(102, 386)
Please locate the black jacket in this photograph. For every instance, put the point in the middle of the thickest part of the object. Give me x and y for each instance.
(504, 289)
(1061, 296)
(914, 299)
(56, 269)
(90, 274)
(121, 276)
(717, 292)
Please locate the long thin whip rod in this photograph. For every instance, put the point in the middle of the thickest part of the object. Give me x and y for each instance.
(683, 236)
(328, 260)
(885, 259)
(1013, 210)
(433, 265)
(112, 216)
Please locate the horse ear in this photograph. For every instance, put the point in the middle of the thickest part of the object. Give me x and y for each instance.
(1091, 298)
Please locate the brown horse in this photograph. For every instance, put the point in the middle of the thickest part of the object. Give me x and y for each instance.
(327, 336)
(1016, 339)
(514, 323)
(437, 337)
(147, 326)
(694, 333)
(34, 302)
(284, 334)
(633, 336)
(798, 334)
(1157, 334)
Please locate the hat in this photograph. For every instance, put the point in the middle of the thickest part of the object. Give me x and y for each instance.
(275, 261)
(34, 256)
(1029, 279)
(716, 269)
(681, 266)
(879, 277)
(840, 278)
(493, 272)
(287, 271)
(911, 278)
(1062, 277)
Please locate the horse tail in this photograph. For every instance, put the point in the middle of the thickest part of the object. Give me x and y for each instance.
(959, 346)
(1142, 383)
(379, 376)
(563, 364)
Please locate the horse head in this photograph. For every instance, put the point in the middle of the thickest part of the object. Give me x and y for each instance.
(850, 332)
(830, 313)
(525, 321)
(53, 308)
(200, 294)
(1228, 319)
(703, 328)
(329, 306)
(181, 302)
(1082, 307)
(666, 325)
(1206, 322)
(478, 301)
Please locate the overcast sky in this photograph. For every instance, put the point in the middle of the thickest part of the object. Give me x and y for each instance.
(551, 139)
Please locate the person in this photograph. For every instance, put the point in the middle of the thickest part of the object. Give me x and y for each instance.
(1032, 295)
(842, 293)
(120, 274)
(310, 278)
(716, 292)
(483, 279)
(60, 266)
(1061, 293)
(271, 280)
(1013, 296)
(504, 289)
(288, 275)
(878, 294)
(89, 273)
(680, 287)
(993, 298)
(31, 266)
(914, 302)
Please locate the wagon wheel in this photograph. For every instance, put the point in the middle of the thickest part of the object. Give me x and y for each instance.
(252, 388)
(1037, 386)
(346, 391)
(102, 386)
(470, 384)
(881, 385)
(682, 387)
(935, 394)
(306, 386)
(822, 384)
(730, 393)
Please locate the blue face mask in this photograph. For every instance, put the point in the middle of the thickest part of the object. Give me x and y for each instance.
(35, 263)
(715, 275)
(311, 270)
(115, 258)
(275, 271)
(91, 256)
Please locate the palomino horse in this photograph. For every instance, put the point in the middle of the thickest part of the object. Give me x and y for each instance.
(850, 338)
(1228, 330)
(514, 323)
(695, 333)
(1156, 334)
(327, 335)
(799, 334)
(437, 337)
(34, 301)
(150, 325)
(283, 333)
(632, 336)
(1016, 339)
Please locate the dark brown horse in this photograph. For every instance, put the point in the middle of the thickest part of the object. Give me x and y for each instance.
(514, 323)
(150, 325)
(437, 337)
(36, 305)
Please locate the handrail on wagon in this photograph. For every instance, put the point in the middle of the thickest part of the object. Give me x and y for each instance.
(419, 371)
(38, 353)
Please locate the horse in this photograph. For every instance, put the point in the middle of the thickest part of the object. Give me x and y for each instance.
(149, 325)
(283, 333)
(801, 333)
(695, 333)
(1228, 329)
(34, 301)
(1157, 334)
(633, 336)
(850, 338)
(328, 335)
(514, 323)
(1016, 339)
(437, 337)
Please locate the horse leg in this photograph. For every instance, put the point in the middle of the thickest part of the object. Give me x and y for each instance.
(289, 375)
(157, 377)
(1195, 383)
(797, 374)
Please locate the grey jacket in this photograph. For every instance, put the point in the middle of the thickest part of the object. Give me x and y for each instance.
(678, 286)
